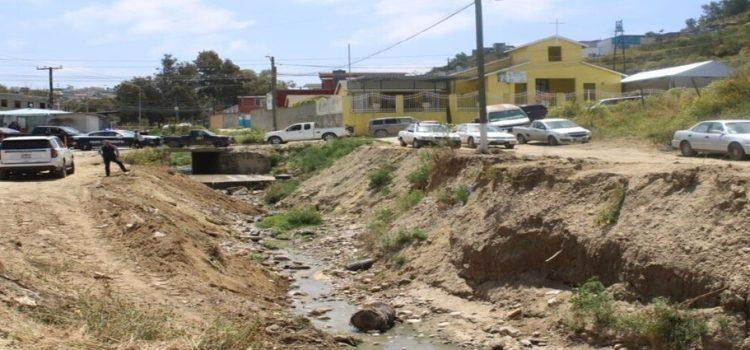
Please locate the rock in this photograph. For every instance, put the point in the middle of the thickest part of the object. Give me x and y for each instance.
(274, 328)
(509, 331)
(527, 343)
(413, 320)
(25, 301)
(158, 234)
(319, 311)
(347, 339)
(443, 324)
(517, 313)
(360, 265)
(553, 302)
(375, 316)
(101, 276)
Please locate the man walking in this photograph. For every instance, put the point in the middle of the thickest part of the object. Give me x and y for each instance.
(110, 153)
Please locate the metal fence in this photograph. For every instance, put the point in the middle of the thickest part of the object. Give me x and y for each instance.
(468, 102)
(426, 102)
(373, 102)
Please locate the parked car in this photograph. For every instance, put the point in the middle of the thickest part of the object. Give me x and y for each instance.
(305, 131)
(469, 135)
(7, 132)
(730, 137)
(535, 112)
(64, 133)
(385, 127)
(120, 138)
(506, 116)
(198, 137)
(35, 154)
(429, 133)
(553, 132)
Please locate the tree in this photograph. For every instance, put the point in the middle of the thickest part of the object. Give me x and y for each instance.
(723, 9)
(4, 89)
(691, 24)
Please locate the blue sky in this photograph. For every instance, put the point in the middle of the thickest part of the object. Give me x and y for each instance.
(102, 42)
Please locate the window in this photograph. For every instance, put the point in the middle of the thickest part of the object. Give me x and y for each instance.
(42, 105)
(377, 122)
(554, 53)
(307, 126)
(392, 121)
(589, 91)
(259, 102)
(701, 128)
(297, 127)
(17, 104)
(716, 128)
(3, 103)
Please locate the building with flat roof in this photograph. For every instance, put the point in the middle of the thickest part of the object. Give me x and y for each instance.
(10, 101)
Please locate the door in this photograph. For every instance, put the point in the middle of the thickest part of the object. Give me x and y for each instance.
(308, 132)
(717, 139)
(294, 132)
(698, 136)
(537, 131)
(408, 136)
(462, 131)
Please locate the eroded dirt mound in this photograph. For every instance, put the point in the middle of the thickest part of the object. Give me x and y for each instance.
(143, 260)
(677, 231)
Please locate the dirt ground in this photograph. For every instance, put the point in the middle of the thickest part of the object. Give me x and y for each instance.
(505, 264)
(140, 260)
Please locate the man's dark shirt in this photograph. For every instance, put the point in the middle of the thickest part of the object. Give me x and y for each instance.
(109, 152)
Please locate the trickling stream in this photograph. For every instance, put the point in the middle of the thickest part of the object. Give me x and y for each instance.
(314, 292)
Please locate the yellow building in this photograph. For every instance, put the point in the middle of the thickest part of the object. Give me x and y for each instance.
(546, 71)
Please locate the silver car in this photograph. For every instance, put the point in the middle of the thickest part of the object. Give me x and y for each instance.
(469, 134)
(730, 137)
(553, 132)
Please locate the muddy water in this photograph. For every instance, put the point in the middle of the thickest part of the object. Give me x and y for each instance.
(313, 291)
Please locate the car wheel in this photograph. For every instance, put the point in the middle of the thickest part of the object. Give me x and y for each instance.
(521, 139)
(381, 133)
(552, 141)
(275, 140)
(510, 146)
(72, 168)
(62, 172)
(687, 150)
(415, 143)
(736, 152)
(401, 142)
(329, 136)
(470, 142)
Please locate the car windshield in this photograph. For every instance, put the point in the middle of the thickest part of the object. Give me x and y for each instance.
(70, 130)
(561, 124)
(431, 128)
(209, 133)
(739, 128)
(511, 114)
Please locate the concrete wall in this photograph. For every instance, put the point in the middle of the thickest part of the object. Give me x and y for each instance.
(16, 101)
(287, 116)
(234, 162)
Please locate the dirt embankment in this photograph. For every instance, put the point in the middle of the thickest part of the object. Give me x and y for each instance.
(530, 224)
(143, 260)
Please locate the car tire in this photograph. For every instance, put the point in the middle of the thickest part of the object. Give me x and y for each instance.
(381, 133)
(275, 140)
(72, 168)
(329, 136)
(687, 150)
(62, 172)
(470, 142)
(401, 142)
(510, 146)
(552, 141)
(736, 152)
(415, 143)
(521, 139)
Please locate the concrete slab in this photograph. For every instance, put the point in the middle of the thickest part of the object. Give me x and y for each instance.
(225, 181)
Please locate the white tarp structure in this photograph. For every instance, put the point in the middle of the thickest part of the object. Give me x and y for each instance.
(696, 75)
(28, 118)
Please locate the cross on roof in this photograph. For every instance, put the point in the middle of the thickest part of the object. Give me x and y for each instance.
(557, 24)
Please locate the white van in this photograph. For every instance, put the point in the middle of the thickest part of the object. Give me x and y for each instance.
(506, 116)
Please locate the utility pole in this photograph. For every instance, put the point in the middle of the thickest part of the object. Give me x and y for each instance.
(349, 50)
(273, 90)
(51, 101)
(482, 83)
(140, 107)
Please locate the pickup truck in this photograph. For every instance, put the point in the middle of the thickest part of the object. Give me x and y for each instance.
(304, 131)
(120, 138)
(198, 138)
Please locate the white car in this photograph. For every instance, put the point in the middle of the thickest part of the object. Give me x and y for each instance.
(304, 131)
(730, 137)
(35, 154)
(469, 135)
(507, 116)
(427, 133)
(553, 132)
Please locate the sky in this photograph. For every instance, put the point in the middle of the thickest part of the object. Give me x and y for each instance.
(100, 43)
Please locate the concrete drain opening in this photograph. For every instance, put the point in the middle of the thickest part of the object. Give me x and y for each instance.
(226, 167)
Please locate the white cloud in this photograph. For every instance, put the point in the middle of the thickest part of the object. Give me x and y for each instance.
(147, 17)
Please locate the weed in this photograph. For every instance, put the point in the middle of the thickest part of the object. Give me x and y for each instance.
(420, 177)
(146, 156)
(226, 334)
(320, 156)
(280, 190)
(461, 194)
(591, 302)
(445, 197)
(244, 136)
(256, 257)
(381, 178)
(274, 244)
(409, 200)
(610, 214)
(675, 328)
(378, 226)
(395, 242)
(399, 260)
(180, 159)
(295, 218)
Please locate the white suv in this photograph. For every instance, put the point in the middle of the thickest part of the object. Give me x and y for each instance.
(35, 154)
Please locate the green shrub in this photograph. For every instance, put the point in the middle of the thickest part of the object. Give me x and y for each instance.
(295, 218)
(399, 260)
(146, 156)
(378, 226)
(445, 197)
(675, 328)
(409, 200)
(610, 214)
(395, 242)
(381, 178)
(320, 156)
(461, 194)
(280, 190)
(244, 136)
(180, 159)
(590, 302)
(420, 177)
